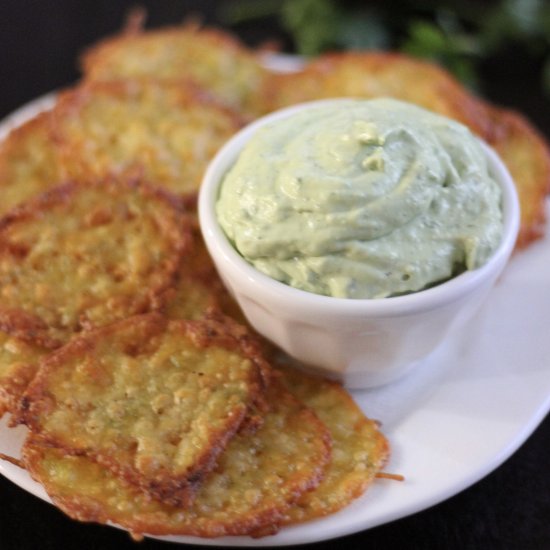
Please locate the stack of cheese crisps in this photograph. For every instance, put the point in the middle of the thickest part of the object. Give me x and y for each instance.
(147, 406)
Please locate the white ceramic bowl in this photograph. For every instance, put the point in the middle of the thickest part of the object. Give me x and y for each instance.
(365, 342)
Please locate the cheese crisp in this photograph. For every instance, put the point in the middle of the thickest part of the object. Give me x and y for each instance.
(369, 75)
(198, 290)
(153, 401)
(18, 365)
(211, 58)
(85, 255)
(191, 298)
(29, 162)
(257, 478)
(527, 157)
(359, 450)
(164, 132)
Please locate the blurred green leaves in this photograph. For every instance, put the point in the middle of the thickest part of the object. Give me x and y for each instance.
(316, 26)
(320, 25)
(458, 34)
(445, 42)
(312, 24)
(520, 21)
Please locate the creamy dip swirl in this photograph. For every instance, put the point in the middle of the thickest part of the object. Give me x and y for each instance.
(362, 199)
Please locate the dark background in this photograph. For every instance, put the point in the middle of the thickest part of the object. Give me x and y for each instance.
(510, 509)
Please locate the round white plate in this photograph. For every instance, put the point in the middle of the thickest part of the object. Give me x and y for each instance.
(450, 422)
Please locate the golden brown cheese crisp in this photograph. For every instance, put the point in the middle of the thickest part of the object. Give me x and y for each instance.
(211, 58)
(197, 297)
(359, 450)
(378, 74)
(18, 365)
(85, 255)
(197, 261)
(527, 157)
(166, 133)
(199, 290)
(152, 400)
(257, 478)
(191, 298)
(29, 162)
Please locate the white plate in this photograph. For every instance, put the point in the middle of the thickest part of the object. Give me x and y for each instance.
(453, 420)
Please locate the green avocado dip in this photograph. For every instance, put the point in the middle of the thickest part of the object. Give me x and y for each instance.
(362, 199)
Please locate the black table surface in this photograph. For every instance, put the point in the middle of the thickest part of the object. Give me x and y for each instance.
(509, 509)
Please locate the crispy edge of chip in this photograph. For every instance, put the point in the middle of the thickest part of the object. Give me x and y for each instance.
(31, 328)
(259, 520)
(186, 90)
(198, 269)
(254, 346)
(191, 297)
(14, 384)
(26, 326)
(465, 106)
(349, 484)
(186, 95)
(37, 400)
(11, 144)
(248, 61)
(16, 143)
(93, 59)
(512, 134)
